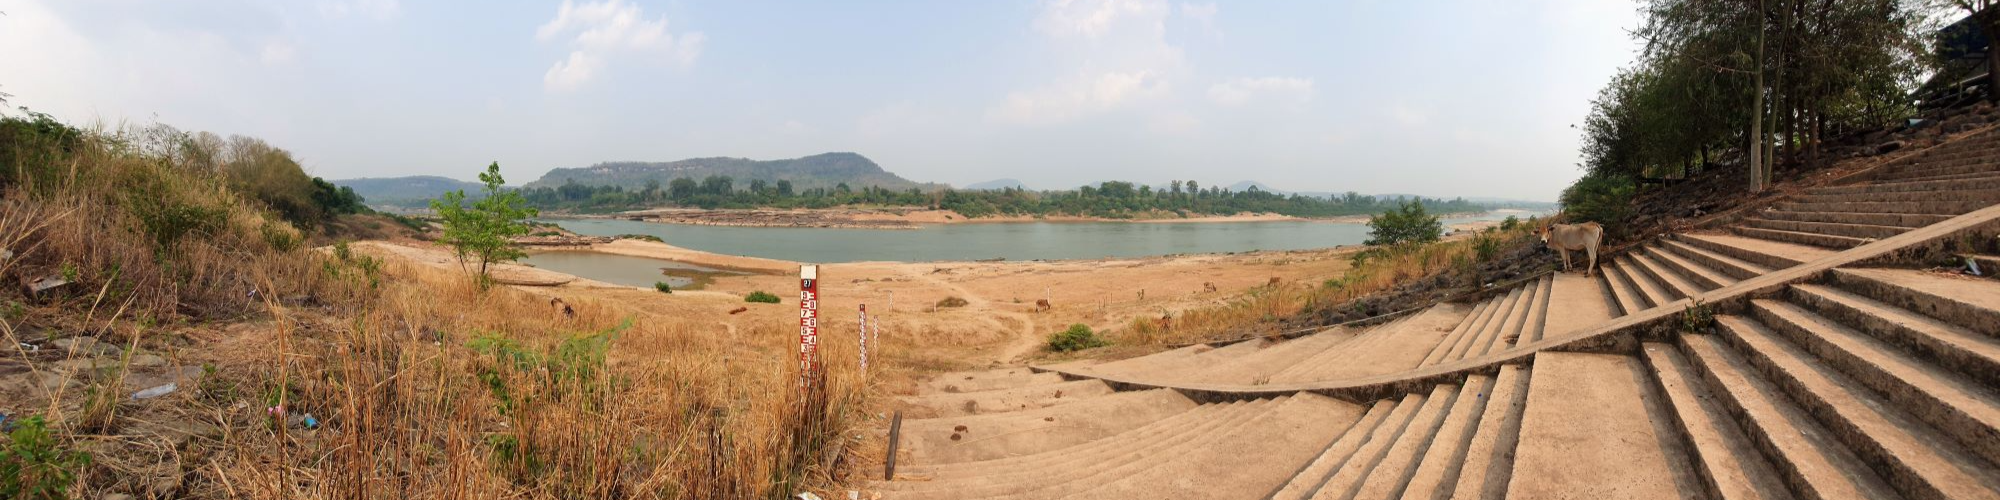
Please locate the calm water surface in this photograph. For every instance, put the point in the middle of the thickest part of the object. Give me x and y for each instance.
(620, 269)
(1012, 241)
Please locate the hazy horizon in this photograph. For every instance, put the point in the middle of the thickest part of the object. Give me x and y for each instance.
(1463, 99)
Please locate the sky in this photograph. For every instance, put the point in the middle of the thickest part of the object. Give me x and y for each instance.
(1440, 98)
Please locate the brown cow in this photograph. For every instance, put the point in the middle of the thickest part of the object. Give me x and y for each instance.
(562, 307)
(1274, 282)
(1042, 305)
(1566, 238)
(1208, 286)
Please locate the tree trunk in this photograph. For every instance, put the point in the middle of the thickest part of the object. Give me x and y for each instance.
(1756, 145)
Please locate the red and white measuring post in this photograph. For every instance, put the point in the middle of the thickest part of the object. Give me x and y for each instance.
(864, 338)
(808, 323)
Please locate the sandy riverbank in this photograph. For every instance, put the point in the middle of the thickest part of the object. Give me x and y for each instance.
(900, 218)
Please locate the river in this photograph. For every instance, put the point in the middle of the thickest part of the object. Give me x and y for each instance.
(1011, 240)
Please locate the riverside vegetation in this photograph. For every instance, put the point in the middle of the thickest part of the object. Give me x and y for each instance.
(340, 375)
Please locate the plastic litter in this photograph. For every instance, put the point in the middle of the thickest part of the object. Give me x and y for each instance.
(808, 496)
(1973, 265)
(156, 391)
(310, 422)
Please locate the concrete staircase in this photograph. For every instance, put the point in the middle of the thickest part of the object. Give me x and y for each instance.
(1833, 368)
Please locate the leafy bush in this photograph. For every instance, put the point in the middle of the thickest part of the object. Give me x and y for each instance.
(485, 230)
(1604, 199)
(951, 302)
(761, 297)
(31, 466)
(663, 287)
(641, 237)
(1408, 224)
(1509, 223)
(1078, 337)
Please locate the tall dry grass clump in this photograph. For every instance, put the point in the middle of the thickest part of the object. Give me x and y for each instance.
(332, 373)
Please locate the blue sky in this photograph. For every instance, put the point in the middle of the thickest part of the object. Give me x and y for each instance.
(1453, 97)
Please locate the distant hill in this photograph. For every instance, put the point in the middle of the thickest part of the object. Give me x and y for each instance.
(995, 185)
(412, 191)
(817, 171)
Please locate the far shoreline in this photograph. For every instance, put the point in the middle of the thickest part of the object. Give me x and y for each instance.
(903, 219)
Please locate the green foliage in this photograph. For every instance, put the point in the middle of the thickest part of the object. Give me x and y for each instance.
(1697, 318)
(1510, 223)
(33, 467)
(663, 287)
(484, 231)
(641, 237)
(761, 297)
(280, 237)
(1407, 224)
(1604, 199)
(1078, 337)
(1486, 247)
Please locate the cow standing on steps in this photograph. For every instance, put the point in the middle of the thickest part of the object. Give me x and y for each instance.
(1567, 238)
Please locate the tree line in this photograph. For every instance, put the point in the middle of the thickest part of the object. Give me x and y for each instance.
(1761, 85)
(1112, 199)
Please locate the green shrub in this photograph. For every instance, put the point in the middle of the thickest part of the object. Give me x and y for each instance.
(761, 297)
(663, 287)
(1604, 199)
(31, 466)
(1078, 337)
(951, 302)
(1509, 223)
(641, 237)
(280, 237)
(1407, 224)
(1486, 247)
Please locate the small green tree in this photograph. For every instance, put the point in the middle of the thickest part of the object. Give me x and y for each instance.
(484, 231)
(1408, 224)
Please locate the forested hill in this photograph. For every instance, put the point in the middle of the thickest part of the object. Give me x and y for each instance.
(827, 170)
(412, 191)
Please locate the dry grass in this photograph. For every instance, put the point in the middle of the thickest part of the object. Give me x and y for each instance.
(423, 385)
(1259, 311)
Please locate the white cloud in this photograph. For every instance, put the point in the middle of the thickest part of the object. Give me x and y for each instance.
(597, 30)
(572, 72)
(1094, 18)
(1203, 14)
(1407, 116)
(278, 52)
(1070, 99)
(1173, 123)
(1286, 90)
(380, 10)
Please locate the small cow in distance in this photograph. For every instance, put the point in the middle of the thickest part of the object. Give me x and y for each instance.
(1208, 286)
(1274, 282)
(1042, 305)
(1568, 238)
(562, 307)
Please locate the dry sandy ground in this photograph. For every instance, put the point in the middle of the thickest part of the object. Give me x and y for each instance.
(999, 324)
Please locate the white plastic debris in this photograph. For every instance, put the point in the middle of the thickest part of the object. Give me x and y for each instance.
(808, 496)
(156, 391)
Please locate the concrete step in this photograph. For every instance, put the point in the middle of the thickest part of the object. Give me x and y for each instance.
(1828, 228)
(1386, 476)
(1943, 169)
(1576, 302)
(1465, 327)
(1396, 347)
(1000, 479)
(1980, 195)
(1651, 291)
(1255, 457)
(1677, 285)
(1471, 345)
(1623, 294)
(1003, 400)
(1148, 362)
(1981, 180)
(1210, 356)
(1953, 405)
(1370, 452)
(999, 435)
(1538, 314)
(1702, 276)
(1594, 428)
(1489, 459)
(1308, 477)
(1773, 255)
(988, 380)
(1814, 239)
(1897, 220)
(1442, 463)
(1733, 267)
(1730, 463)
(1515, 323)
(1914, 458)
(1270, 357)
(1906, 207)
(1952, 347)
(1930, 178)
(930, 477)
(1803, 453)
(1970, 303)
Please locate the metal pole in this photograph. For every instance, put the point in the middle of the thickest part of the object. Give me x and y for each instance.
(895, 435)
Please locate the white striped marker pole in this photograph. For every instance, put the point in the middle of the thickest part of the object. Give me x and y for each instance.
(864, 338)
(808, 323)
